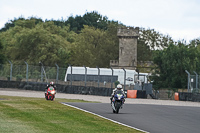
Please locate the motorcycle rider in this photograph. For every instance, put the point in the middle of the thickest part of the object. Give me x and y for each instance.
(51, 84)
(119, 87)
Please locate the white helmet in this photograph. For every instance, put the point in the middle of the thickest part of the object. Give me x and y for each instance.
(51, 83)
(119, 86)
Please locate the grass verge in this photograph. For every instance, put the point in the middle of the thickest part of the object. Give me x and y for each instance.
(36, 115)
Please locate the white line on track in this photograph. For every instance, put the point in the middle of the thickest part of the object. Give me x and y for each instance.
(104, 117)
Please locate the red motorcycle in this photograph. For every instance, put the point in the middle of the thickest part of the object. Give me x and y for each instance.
(50, 94)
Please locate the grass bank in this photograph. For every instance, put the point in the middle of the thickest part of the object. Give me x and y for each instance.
(36, 115)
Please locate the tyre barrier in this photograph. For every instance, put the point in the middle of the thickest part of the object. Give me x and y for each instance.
(136, 94)
(131, 93)
(189, 96)
(141, 94)
(176, 96)
(37, 86)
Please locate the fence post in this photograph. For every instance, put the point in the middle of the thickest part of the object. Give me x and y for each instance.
(124, 79)
(41, 74)
(85, 75)
(26, 71)
(98, 75)
(57, 73)
(188, 79)
(70, 75)
(137, 70)
(196, 79)
(42, 69)
(11, 65)
(112, 78)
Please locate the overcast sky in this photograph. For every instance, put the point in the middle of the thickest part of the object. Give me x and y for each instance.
(179, 19)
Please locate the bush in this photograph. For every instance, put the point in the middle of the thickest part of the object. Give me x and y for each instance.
(19, 77)
(116, 83)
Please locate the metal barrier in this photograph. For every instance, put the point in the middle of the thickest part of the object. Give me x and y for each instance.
(31, 73)
(45, 74)
(193, 82)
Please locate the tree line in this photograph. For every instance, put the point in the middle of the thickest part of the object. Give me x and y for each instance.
(91, 40)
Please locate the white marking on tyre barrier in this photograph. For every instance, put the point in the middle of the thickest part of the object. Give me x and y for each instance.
(104, 117)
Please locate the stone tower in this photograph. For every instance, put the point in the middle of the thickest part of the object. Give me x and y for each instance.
(127, 48)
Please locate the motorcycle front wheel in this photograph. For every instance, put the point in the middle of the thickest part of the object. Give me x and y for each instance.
(52, 99)
(117, 106)
(114, 111)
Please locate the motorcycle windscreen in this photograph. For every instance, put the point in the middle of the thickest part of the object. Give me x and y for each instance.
(119, 92)
(51, 88)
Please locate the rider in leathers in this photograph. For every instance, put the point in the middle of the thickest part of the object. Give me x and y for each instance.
(119, 87)
(51, 84)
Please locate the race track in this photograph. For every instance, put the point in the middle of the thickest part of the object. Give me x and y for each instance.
(150, 118)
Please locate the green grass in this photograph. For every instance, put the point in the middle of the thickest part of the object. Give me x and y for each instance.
(36, 115)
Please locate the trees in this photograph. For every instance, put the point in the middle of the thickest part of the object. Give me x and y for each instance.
(12, 23)
(92, 19)
(172, 63)
(94, 47)
(33, 40)
(44, 42)
(149, 41)
(2, 57)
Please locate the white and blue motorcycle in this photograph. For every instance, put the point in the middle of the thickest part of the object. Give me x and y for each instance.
(117, 101)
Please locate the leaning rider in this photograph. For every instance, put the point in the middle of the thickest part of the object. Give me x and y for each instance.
(51, 84)
(119, 87)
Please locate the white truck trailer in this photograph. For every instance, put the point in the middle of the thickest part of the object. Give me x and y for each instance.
(104, 75)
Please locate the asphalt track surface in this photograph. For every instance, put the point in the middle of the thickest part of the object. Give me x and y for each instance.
(155, 116)
(150, 118)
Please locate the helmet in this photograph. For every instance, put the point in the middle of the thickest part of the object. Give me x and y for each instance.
(52, 83)
(119, 87)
